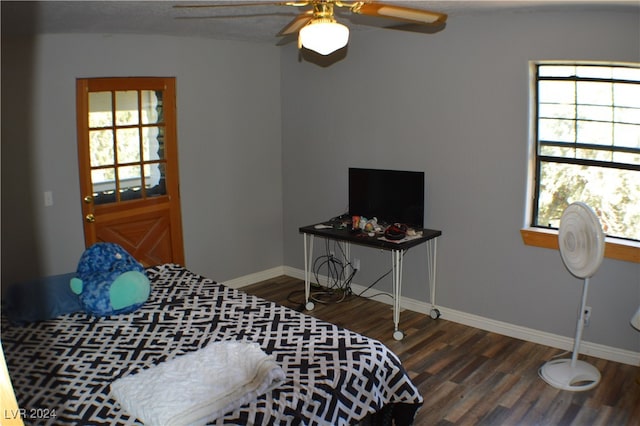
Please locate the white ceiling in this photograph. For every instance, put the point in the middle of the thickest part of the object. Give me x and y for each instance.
(235, 22)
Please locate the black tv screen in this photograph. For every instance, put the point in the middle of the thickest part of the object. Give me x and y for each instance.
(392, 196)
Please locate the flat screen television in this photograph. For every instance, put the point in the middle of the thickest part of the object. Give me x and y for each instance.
(389, 195)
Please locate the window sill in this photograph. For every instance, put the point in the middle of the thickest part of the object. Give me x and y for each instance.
(615, 248)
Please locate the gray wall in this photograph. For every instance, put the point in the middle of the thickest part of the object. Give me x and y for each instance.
(454, 105)
(229, 146)
(265, 142)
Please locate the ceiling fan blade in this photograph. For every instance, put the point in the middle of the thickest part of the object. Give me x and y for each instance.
(402, 13)
(298, 22)
(288, 39)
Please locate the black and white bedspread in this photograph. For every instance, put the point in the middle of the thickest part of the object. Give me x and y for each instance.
(61, 369)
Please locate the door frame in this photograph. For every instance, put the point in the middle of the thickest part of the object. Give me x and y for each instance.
(121, 209)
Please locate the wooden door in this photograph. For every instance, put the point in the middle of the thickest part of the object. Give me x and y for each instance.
(128, 163)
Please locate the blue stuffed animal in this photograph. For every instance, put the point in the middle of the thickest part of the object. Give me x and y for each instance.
(110, 281)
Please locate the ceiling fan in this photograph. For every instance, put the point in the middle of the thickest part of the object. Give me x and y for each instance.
(318, 29)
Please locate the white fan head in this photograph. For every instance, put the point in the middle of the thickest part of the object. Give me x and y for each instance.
(581, 240)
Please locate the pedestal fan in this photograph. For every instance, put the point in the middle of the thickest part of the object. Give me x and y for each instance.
(581, 242)
(635, 320)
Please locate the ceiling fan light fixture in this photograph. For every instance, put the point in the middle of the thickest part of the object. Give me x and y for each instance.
(324, 36)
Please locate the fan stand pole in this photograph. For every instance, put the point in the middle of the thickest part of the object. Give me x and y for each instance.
(572, 375)
(580, 325)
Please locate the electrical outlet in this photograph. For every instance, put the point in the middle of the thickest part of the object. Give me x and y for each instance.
(587, 315)
(48, 198)
(356, 263)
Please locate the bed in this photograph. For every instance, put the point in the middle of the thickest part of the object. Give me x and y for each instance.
(62, 369)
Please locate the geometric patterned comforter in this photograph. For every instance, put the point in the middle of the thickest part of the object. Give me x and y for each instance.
(61, 369)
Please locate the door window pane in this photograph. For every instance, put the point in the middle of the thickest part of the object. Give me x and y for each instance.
(100, 111)
(104, 185)
(151, 106)
(155, 179)
(101, 147)
(128, 145)
(151, 144)
(127, 108)
(130, 178)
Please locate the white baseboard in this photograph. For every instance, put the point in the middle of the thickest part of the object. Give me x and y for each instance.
(540, 337)
(528, 334)
(256, 278)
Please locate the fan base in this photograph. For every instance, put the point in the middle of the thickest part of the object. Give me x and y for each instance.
(560, 374)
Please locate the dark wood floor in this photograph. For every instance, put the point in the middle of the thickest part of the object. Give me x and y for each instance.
(473, 377)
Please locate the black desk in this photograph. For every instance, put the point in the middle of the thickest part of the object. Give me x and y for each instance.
(397, 249)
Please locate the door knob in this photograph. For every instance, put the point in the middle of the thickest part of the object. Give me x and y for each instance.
(88, 199)
(90, 218)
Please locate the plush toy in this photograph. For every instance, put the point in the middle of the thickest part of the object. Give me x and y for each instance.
(110, 281)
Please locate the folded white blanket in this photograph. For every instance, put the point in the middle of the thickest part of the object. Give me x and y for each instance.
(200, 386)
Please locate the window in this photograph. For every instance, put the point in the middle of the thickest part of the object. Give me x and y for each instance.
(586, 130)
(126, 134)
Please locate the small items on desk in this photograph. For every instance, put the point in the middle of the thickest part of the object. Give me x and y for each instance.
(323, 226)
(413, 233)
(363, 224)
(395, 232)
(371, 228)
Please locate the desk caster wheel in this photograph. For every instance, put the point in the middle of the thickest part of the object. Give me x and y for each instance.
(309, 306)
(398, 335)
(435, 313)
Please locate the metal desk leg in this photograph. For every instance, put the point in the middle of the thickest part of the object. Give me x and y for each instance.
(346, 259)
(432, 247)
(396, 268)
(308, 255)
